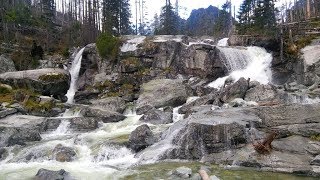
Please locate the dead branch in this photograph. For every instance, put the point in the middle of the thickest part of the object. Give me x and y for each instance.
(265, 146)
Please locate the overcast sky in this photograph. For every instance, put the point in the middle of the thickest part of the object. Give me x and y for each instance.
(154, 6)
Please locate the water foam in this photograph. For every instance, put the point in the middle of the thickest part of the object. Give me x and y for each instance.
(250, 62)
(74, 72)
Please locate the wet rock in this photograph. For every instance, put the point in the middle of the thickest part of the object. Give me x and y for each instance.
(144, 109)
(141, 138)
(316, 161)
(6, 64)
(44, 174)
(236, 90)
(7, 111)
(83, 123)
(116, 104)
(83, 97)
(156, 116)
(10, 136)
(44, 81)
(3, 153)
(208, 131)
(183, 172)
(50, 124)
(204, 100)
(163, 92)
(63, 154)
(103, 115)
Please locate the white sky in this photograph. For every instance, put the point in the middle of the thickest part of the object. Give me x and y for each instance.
(154, 6)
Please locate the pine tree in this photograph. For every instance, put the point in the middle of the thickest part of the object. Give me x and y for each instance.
(168, 20)
(116, 14)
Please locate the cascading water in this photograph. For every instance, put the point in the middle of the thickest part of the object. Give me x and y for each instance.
(250, 62)
(74, 72)
(223, 42)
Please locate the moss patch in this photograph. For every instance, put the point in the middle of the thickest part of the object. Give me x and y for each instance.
(52, 77)
(315, 137)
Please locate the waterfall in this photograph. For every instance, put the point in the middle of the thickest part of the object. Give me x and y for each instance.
(74, 72)
(250, 62)
(223, 42)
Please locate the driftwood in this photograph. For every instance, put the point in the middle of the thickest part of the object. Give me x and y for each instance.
(204, 175)
(265, 146)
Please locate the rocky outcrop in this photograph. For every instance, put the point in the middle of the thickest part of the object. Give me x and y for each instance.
(44, 174)
(207, 132)
(6, 64)
(63, 154)
(141, 138)
(163, 92)
(44, 81)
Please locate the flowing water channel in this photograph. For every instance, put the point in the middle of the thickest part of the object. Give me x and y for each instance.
(101, 154)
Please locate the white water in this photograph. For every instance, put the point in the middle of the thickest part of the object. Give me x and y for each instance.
(223, 42)
(250, 62)
(74, 72)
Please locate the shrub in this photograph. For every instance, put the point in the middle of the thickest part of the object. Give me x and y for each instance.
(108, 45)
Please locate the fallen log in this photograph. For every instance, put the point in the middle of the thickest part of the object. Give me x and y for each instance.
(265, 146)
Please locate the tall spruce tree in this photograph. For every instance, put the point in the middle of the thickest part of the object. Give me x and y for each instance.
(116, 16)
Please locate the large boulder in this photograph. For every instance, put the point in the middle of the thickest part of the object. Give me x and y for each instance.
(100, 114)
(44, 174)
(163, 92)
(204, 132)
(236, 90)
(204, 100)
(10, 136)
(306, 130)
(116, 104)
(18, 130)
(83, 123)
(141, 138)
(63, 154)
(6, 64)
(155, 116)
(44, 81)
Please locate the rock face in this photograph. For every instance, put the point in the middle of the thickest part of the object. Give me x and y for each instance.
(63, 154)
(207, 132)
(44, 81)
(141, 138)
(44, 174)
(288, 114)
(6, 64)
(163, 92)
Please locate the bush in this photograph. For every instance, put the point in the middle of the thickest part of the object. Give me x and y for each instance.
(108, 45)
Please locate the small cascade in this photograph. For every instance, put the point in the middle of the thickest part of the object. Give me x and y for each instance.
(301, 99)
(175, 115)
(250, 62)
(223, 42)
(74, 72)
